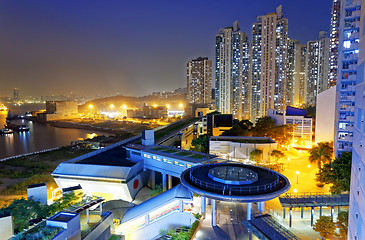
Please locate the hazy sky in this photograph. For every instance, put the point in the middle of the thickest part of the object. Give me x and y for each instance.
(127, 47)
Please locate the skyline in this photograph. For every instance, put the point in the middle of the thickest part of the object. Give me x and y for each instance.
(98, 52)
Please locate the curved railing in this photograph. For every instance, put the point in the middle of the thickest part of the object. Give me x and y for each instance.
(229, 190)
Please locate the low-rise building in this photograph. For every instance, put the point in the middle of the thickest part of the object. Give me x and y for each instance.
(56, 110)
(164, 211)
(106, 172)
(239, 148)
(303, 131)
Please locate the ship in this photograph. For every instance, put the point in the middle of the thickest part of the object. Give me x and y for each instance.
(17, 127)
(6, 131)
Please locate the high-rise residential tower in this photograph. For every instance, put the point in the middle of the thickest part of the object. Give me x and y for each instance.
(15, 95)
(269, 63)
(334, 34)
(347, 74)
(295, 77)
(317, 67)
(231, 71)
(199, 80)
(356, 224)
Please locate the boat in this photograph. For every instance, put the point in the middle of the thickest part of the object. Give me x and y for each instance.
(17, 127)
(23, 128)
(6, 131)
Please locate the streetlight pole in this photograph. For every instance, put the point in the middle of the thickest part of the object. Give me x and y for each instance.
(297, 177)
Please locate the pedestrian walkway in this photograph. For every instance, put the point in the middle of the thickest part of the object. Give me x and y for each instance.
(272, 229)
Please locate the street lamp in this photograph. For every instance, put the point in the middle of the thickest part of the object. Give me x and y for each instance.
(111, 105)
(297, 176)
(181, 105)
(124, 106)
(168, 106)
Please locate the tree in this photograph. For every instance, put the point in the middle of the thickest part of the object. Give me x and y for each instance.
(200, 144)
(240, 128)
(276, 154)
(263, 126)
(282, 134)
(342, 223)
(325, 227)
(337, 173)
(321, 154)
(158, 189)
(256, 155)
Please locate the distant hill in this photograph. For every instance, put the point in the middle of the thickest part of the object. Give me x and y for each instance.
(104, 104)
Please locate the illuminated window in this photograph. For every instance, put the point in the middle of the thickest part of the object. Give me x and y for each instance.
(164, 211)
(176, 163)
(164, 160)
(347, 44)
(188, 165)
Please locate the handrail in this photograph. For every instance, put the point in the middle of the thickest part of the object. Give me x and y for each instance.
(229, 190)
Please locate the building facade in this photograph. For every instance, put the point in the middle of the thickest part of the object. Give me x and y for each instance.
(356, 225)
(199, 80)
(347, 75)
(232, 71)
(296, 59)
(334, 41)
(317, 67)
(303, 130)
(269, 63)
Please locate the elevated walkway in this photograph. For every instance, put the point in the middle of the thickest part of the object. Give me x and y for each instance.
(312, 200)
(270, 228)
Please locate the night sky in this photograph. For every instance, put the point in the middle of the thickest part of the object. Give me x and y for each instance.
(111, 47)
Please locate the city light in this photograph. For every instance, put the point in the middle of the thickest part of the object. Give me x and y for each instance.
(168, 106)
(181, 105)
(111, 105)
(91, 106)
(155, 105)
(124, 106)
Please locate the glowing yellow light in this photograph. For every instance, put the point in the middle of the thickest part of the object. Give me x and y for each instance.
(111, 105)
(124, 106)
(295, 190)
(297, 172)
(168, 105)
(309, 166)
(154, 105)
(181, 105)
(91, 106)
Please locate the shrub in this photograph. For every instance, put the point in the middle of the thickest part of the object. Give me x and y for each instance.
(193, 228)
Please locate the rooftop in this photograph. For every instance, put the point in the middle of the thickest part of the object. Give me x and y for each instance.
(239, 139)
(267, 185)
(63, 217)
(113, 157)
(177, 153)
(177, 192)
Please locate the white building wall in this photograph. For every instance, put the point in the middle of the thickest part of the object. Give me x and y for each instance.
(325, 115)
(356, 228)
(6, 227)
(240, 151)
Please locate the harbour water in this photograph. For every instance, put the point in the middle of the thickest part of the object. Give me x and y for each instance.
(41, 136)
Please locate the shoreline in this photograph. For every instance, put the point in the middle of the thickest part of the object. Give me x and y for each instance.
(61, 124)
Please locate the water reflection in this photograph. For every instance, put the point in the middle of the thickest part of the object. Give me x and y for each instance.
(40, 136)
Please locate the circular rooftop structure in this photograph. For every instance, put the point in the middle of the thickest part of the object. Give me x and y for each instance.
(233, 175)
(235, 182)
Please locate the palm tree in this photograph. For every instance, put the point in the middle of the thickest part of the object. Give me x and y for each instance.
(321, 154)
